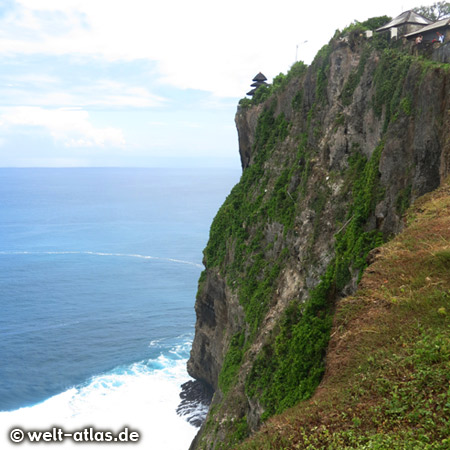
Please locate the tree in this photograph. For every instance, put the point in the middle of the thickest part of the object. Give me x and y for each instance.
(434, 12)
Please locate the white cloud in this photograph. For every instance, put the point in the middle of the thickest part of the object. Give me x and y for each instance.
(39, 79)
(41, 90)
(115, 94)
(69, 127)
(198, 44)
(120, 60)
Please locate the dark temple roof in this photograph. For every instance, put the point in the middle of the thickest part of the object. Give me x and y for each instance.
(259, 77)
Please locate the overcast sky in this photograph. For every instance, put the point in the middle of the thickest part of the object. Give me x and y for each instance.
(148, 82)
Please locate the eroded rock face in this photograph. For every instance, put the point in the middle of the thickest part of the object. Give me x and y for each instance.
(415, 157)
(246, 121)
(218, 313)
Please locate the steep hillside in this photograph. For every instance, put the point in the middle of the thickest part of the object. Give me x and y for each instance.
(387, 377)
(332, 156)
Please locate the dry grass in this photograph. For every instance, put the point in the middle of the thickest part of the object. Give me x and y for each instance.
(387, 379)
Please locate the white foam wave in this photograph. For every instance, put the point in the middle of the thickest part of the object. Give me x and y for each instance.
(198, 414)
(156, 342)
(182, 347)
(143, 396)
(120, 255)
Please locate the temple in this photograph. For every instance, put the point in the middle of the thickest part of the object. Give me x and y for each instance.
(259, 80)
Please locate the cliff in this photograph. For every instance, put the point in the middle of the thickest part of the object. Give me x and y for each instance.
(387, 368)
(332, 156)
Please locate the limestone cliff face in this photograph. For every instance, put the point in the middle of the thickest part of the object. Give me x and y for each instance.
(331, 159)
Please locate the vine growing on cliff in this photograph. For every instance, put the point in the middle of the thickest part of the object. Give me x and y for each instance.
(354, 78)
(389, 78)
(235, 233)
(290, 366)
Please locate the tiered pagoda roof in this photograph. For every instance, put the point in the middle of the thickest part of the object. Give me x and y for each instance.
(259, 80)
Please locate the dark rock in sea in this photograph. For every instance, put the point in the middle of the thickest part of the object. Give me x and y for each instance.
(195, 400)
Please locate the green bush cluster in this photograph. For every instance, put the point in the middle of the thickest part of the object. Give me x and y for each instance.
(297, 101)
(376, 22)
(357, 27)
(232, 362)
(269, 131)
(281, 206)
(261, 94)
(256, 289)
(289, 369)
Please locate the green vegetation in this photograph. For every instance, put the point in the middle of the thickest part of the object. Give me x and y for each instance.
(354, 78)
(434, 12)
(375, 22)
(261, 95)
(281, 205)
(297, 70)
(237, 227)
(297, 100)
(250, 244)
(236, 430)
(403, 200)
(242, 210)
(241, 430)
(257, 289)
(232, 362)
(290, 367)
(322, 62)
(389, 79)
(353, 242)
(356, 29)
(388, 384)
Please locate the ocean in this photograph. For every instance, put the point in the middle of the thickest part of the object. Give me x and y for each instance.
(98, 276)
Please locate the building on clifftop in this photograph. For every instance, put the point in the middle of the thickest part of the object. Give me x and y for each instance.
(406, 22)
(259, 80)
(432, 41)
(430, 32)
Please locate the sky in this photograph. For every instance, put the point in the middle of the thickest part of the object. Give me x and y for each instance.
(148, 83)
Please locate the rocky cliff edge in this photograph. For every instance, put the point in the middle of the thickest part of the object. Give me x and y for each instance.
(332, 156)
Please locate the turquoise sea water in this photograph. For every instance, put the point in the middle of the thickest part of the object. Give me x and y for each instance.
(98, 275)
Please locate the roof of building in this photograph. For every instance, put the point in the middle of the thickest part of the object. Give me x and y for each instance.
(433, 26)
(259, 77)
(259, 83)
(404, 18)
(252, 92)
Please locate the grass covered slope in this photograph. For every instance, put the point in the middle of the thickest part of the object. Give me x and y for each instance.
(387, 379)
